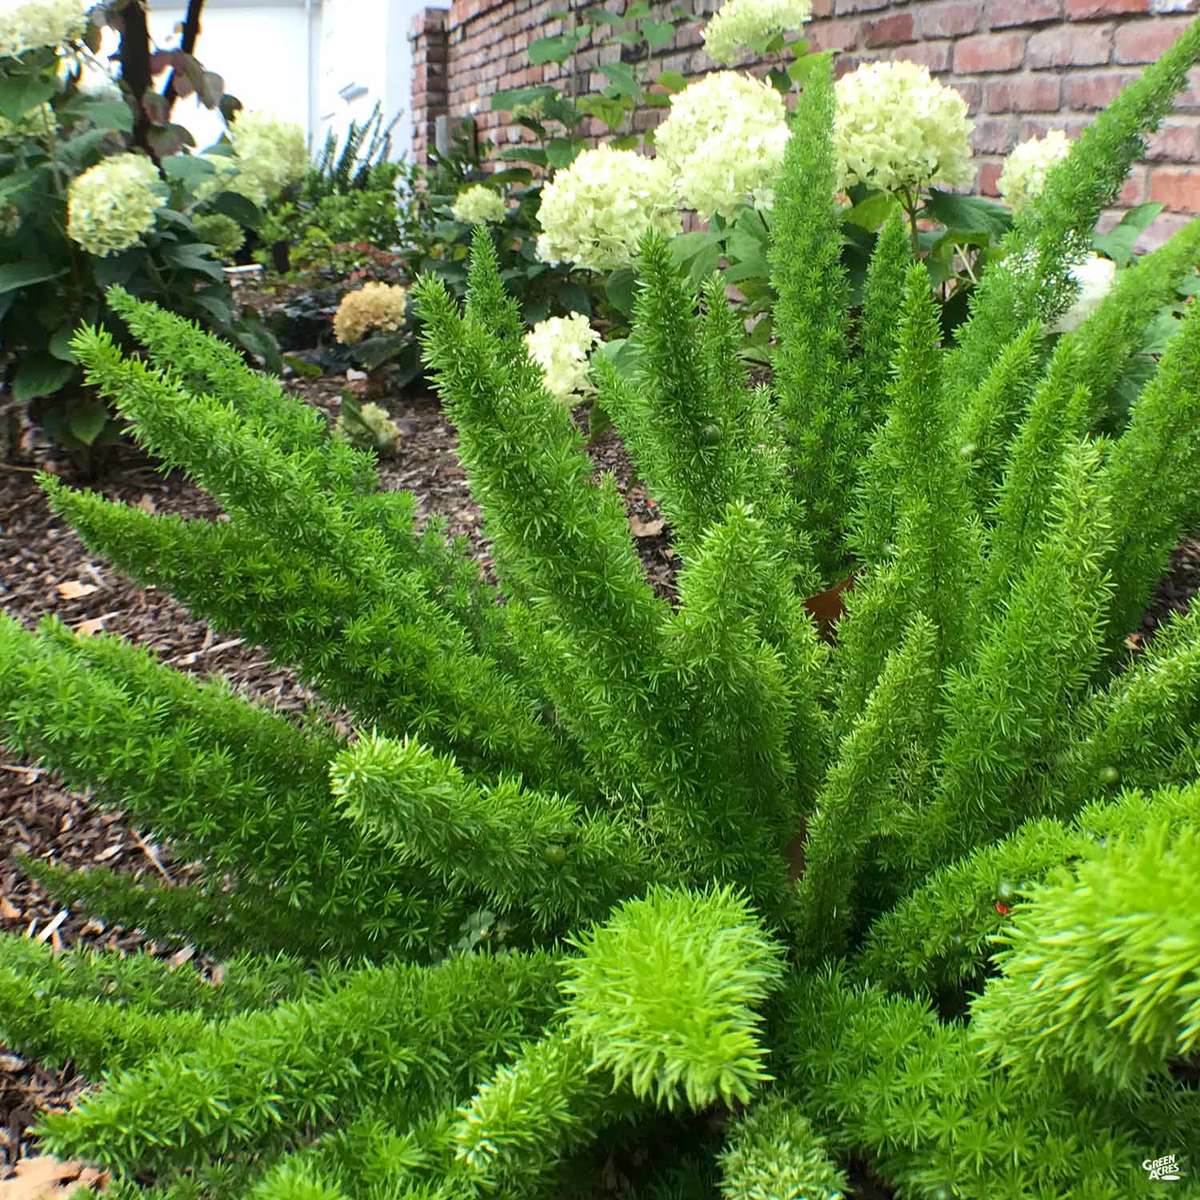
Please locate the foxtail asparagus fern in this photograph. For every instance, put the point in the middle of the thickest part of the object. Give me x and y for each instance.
(602, 880)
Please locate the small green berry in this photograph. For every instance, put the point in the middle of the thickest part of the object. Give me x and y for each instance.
(555, 855)
(710, 435)
(967, 450)
(1005, 892)
(1110, 776)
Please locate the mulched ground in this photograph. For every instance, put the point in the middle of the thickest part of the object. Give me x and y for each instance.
(45, 570)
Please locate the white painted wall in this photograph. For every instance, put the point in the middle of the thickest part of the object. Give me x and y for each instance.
(265, 51)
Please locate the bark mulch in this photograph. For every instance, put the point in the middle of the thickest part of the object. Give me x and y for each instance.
(46, 571)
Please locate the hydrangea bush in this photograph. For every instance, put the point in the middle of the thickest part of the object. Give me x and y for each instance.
(739, 26)
(82, 206)
(602, 886)
(561, 346)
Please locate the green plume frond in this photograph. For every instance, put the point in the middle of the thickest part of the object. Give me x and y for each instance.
(773, 1153)
(664, 996)
(1006, 710)
(250, 806)
(862, 785)
(883, 1075)
(878, 331)
(1100, 966)
(1151, 477)
(363, 630)
(526, 852)
(1105, 344)
(812, 377)
(939, 937)
(1053, 233)
(984, 427)
(258, 1078)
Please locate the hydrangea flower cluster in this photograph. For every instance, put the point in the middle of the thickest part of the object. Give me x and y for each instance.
(223, 233)
(560, 346)
(111, 205)
(741, 24)
(478, 205)
(271, 154)
(1094, 276)
(1025, 169)
(898, 129)
(596, 211)
(36, 122)
(374, 306)
(39, 24)
(723, 142)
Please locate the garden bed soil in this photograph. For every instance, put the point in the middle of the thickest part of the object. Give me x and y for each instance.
(46, 571)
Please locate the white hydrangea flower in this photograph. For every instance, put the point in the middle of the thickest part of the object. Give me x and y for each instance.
(560, 346)
(595, 211)
(40, 23)
(478, 205)
(1095, 277)
(738, 24)
(896, 127)
(1025, 169)
(723, 142)
(111, 205)
(271, 154)
(373, 306)
(37, 122)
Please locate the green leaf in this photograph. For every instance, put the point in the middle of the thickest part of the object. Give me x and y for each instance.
(673, 81)
(87, 420)
(513, 175)
(194, 256)
(20, 94)
(561, 152)
(40, 375)
(506, 100)
(106, 114)
(605, 108)
(552, 49)
(872, 212)
(657, 33)
(624, 82)
(75, 153)
(1118, 242)
(621, 289)
(968, 214)
(188, 169)
(23, 274)
(59, 344)
(244, 212)
(574, 298)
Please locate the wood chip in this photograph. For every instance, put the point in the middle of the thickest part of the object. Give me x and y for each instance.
(72, 589)
(50, 929)
(646, 529)
(47, 1178)
(7, 909)
(91, 628)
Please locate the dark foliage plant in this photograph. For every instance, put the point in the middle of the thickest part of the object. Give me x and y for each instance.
(607, 887)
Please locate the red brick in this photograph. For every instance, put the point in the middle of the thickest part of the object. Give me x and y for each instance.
(1176, 187)
(989, 178)
(835, 35)
(972, 92)
(1083, 10)
(935, 56)
(889, 31)
(1133, 191)
(1088, 46)
(841, 7)
(1147, 41)
(1176, 141)
(994, 136)
(1089, 91)
(949, 20)
(1023, 12)
(1027, 93)
(989, 52)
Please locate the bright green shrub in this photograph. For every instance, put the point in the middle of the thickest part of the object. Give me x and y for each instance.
(603, 878)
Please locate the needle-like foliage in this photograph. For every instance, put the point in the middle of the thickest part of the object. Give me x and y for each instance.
(561, 881)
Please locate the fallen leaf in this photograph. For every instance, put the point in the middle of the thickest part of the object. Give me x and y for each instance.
(146, 504)
(47, 1178)
(74, 590)
(92, 627)
(646, 529)
(7, 911)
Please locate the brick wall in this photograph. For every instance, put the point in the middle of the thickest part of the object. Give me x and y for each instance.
(1023, 66)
